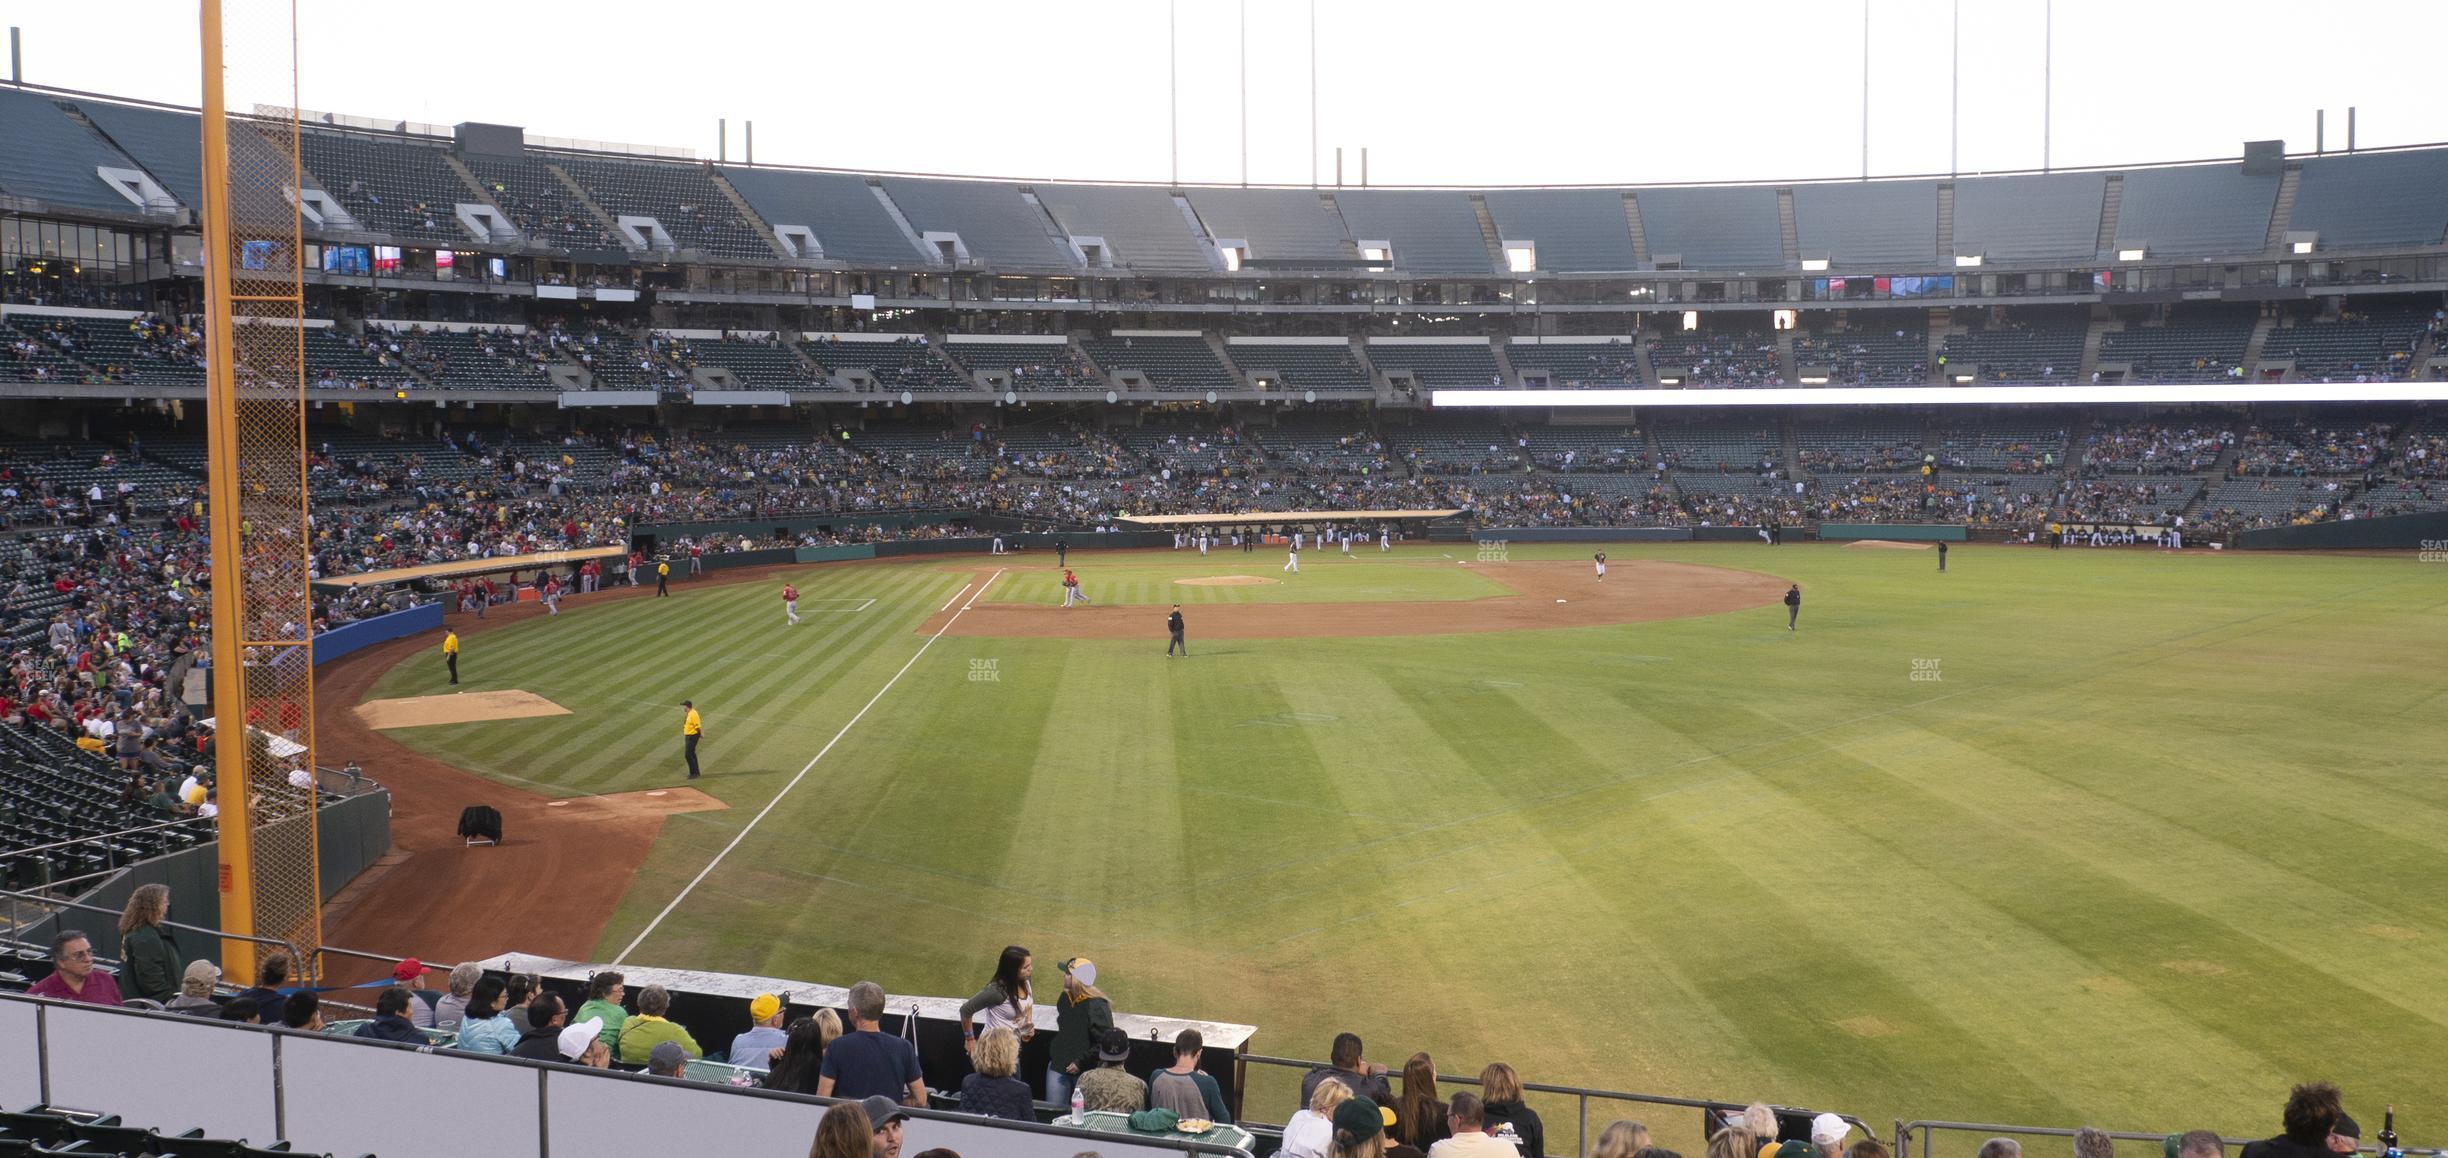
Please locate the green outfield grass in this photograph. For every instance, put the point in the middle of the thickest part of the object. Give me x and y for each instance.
(2160, 837)
(1364, 576)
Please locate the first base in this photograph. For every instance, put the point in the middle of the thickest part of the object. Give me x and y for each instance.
(1559, 601)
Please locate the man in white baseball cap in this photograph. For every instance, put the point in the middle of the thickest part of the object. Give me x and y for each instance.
(1828, 1135)
(583, 1043)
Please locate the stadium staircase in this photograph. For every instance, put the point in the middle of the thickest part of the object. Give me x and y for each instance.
(2282, 213)
(1351, 246)
(1223, 357)
(610, 227)
(1648, 369)
(2111, 203)
(1946, 220)
(1789, 449)
(1504, 365)
(1788, 234)
(1940, 323)
(2253, 345)
(1786, 368)
(1487, 234)
(763, 231)
(476, 189)
(1640, 250)
(2094, 337)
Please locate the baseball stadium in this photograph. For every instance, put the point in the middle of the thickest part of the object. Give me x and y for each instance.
(740, 655)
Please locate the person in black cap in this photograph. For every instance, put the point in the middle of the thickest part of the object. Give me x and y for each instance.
(1941, 555)
(1173, 624)
(2346, 1137)
(1062, 553)
(886, 1116)
(1793, 606)
(1109, 1087)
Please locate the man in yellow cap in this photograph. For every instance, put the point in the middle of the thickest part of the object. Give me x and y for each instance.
(450, 654)
(691, 730)
(757, 1048)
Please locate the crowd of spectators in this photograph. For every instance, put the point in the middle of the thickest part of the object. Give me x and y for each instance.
(1719, 357)
(2303, 448)
(2151, 448)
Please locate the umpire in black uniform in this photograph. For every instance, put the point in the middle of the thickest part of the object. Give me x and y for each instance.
(1793, 606)
(1173, 624)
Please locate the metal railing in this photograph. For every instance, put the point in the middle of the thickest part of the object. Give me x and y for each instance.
(308, 958)
(1905, 1131)
(1582, 1096)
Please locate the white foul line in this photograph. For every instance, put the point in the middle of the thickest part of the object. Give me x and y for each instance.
(955, 599)
(981, 591)
(794, 781)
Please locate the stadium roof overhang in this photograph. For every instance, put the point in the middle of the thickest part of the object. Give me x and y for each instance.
(1254, 517)
(1949, 395)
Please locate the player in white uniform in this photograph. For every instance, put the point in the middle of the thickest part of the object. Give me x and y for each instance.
(1293, 564)
(1345, 537)
(790, 605)
(1600, 557)
(1296, 542)
(1382, 536)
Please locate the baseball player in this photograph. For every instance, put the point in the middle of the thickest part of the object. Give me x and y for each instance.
(1600, 558)
(1202, 544)
(1173, 624)
(1071, 589)
(1345, 536)
(1293, 564)
(552, 595)
(1296, 541)
(1384, 540)
(790, 605)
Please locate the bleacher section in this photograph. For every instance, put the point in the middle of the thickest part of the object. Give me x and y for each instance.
(469, 361)
(1302, 366)
(2375, 199)
(754, 364)
(2009, 443)
(1729, 447)
(1877, 351)
(1431, 231)
(1142, 228)
(45, 155)
(1170, 362)
(1278, 224)
(52, 792)
(168, 144)
(1612, 362)
(1855, 224)
(2262, 502)
(996, 224)
(2368, 342)
(1857, 445)
(2402, 497)
(2037, 345)
(1323, 444)
(908, 364)
(1573, 229)
(2030, 218)
(682, 197)
(1454, 444)
(29, 353)
(157, 355)
(333, 359)
(1572, 449)
(394, 184)
(1725, 228)
(539, 204)
(1438, 365)
(2195, 209)
(1033, 366)
(1723, 354)
(2195, 344)
(839, 208)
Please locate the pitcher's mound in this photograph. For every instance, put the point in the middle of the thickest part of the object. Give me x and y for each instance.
(1889, 545)
(1227, 581)
(463, 708)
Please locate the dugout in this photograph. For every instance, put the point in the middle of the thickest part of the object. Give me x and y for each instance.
(713, 1007)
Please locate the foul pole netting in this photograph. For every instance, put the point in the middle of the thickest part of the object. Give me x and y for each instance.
(262, 617)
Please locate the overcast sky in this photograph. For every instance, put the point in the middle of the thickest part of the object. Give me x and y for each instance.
(1512, 92)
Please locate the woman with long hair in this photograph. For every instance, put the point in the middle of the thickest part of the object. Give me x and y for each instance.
(803, 1053)
(148, 952)
(1507, 1116)
(1733, 1142)
(1081, 1017)
(1005, 999)
(1419, 1118)
(844, 1132)
(1622, 1138)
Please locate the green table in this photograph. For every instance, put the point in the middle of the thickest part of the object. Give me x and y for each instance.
(1107, 1122)
(349, 1029)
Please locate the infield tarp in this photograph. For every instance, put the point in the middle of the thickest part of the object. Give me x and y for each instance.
(835, 554)
(2424, 532)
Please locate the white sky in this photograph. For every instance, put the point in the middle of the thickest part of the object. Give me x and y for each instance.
(1441, 91)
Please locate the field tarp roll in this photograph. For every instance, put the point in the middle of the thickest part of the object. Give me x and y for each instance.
(2423, 532)
(340, 641)
(835, 554)
(1902, 532)
(729, 559)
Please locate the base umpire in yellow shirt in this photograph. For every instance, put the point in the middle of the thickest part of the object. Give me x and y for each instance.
(691, 730)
